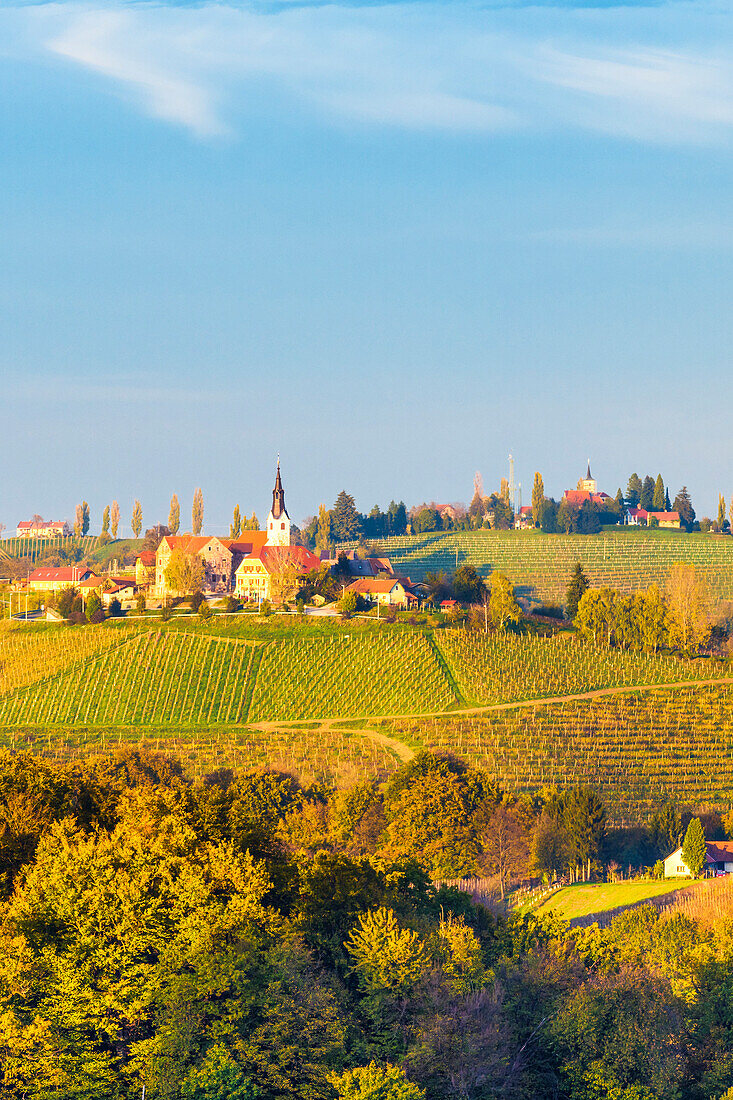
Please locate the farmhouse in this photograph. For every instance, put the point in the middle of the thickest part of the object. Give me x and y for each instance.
(390, 591)
(639, 517)
(53, 580)
(145, 568)
(718, 859)
(42, 529)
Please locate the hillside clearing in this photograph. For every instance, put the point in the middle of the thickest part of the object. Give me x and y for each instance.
(587, 899)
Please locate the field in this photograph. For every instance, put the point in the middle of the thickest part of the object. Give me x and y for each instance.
(583, 900)
(36, 548)
(540, 565)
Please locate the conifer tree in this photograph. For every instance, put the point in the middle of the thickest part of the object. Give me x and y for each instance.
(647, 494)
(667, 501)
(115, 518)
(658, 498)
(346, 519)
(197, 512)
(693, 847)
(137, 519)
(235, 527)
(683, 505)
(633, 491)
(538, 499)
(174, 516)
(579, 584)
(105, 521)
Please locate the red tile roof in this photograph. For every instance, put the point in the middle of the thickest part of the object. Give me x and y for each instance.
(373, 584)
(666, 517)
(68, 574)
(147, 558)
(720, 851)
(579, 496)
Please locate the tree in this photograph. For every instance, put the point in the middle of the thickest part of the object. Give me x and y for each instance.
(549, 517)
(688, 619)
(283, 575)
(665, 828)
(694, 849)
(218, 1077)
(385, 956)
(375, 1082)
(503, 607)
(197, 512)
(589, 520)
(174, 515)
(105, 521)
(578, 585)
(504, 846)
(185, 573)
(633, 491)
(667, 502)
(397, 518)
(81, 523)
(721, 511)
(155, 535)
(428, 519)
(550, 850)
(538, 499)
(137, 519)
(683, 505)
(647, 494)
(94, 605)
(567, 516)
(584, 817)
(477, 508)
(235, 527)
(115, 518)
(65, 599)
(620, 503)
(324, 531)
(658, 497)
(468, 586)
(346, 519)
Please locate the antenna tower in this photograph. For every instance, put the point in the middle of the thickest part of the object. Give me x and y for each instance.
(512, 487)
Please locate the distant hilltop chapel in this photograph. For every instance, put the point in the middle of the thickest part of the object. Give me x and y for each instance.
(587, 490)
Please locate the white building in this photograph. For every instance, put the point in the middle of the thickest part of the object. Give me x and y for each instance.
(718, 859)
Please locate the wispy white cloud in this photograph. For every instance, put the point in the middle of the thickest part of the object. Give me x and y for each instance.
(657, 72)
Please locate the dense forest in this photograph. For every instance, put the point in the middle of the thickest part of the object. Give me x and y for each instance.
(231, 939)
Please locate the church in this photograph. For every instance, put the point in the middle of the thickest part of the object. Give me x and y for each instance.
(587, 490)
(258, 565)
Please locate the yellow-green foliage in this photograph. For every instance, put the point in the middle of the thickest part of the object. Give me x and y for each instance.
(626, 559)
(637, 749)
(349, 675)
(26, 657)
(494, 668)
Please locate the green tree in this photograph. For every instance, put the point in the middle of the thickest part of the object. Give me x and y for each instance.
(683, 505)
(65, 599)
(653, 620)
(468, 586)
(503, 607)
(346, 519)
(584, 818)
(647, 494)
(688, 608)
(375, 1082)
(218, 1077)
(140, 602)
(721, 511)
(197, 512)
(665, 828)
(658, 497)
(567, 516)
(81, 522)
(94, 605)
(174, 516)
(137, 519)
(385, 956)
(578, 585)
(105, 521)
(235, 527)
(115, 518)
(538, 499)
(633, 491)
(694, 849)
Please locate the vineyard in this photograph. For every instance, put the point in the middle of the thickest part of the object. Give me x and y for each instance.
(636, 748)
(27, 657)
(350, 676)
(494, 669)
(35, 548)
(540, 565)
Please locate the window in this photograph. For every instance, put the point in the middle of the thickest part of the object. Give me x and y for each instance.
(282, 526)
(681, 868)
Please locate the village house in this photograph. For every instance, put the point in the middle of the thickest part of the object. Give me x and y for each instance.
(109, 588)
(718, 860)
(523, 518)
(47, 579)
(42, 529)
(145, 569)
(639, 517)
(387, 591)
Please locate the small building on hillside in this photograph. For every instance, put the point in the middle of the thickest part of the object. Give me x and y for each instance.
(42, 529)
(145, 568)
(357, 566)
(718, 860)
(387, 591)
(110, 588)
(587, 490)
(47, 579)
(262, 572)
(523, 518)
(639, 517)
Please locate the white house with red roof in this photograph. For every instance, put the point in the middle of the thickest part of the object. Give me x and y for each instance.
(390, 591)
(48, 579)
(640, 517)
(42, 529)
(718, 860)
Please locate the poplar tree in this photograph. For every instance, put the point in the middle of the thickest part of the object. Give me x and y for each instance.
(174, 516)
(137, 519)
(235, 527)
(721, 511)
(538, 499)
(197, 512)
(105, 521)
(694, 849)
(730, 515)
(115, 518)
(658, 498)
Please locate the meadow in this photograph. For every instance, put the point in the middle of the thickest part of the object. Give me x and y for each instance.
(539, 565)
(587, 899)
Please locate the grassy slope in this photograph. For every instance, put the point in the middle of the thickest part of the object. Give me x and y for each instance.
(540, 565)
(585, 900)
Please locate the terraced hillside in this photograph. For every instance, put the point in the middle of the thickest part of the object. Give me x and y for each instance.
(636, 748)
(540, 565)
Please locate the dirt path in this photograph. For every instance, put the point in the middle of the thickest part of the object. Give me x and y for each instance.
(491, 707)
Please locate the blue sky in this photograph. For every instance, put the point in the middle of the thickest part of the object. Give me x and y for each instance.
(392, 241)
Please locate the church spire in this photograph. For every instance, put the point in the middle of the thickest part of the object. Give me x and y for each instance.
(278, 495)
(588, 476)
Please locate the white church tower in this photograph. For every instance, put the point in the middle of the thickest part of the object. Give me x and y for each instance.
(278, 521)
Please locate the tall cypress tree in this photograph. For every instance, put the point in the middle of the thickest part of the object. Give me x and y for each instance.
(579, 584)
(658, 498)
(538, 499)
(647, 494)
(174, 516)
(693, 847)
(633, 491)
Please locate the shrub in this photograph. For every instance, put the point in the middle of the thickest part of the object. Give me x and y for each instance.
(115, 608)
(97, 616)
(94, 604)
(140, 602)
(232, 604)
(266, 608)
(196, 600)
(204, 611)
(104, 538)
(300, 606)
(78, 618)
(166, 613)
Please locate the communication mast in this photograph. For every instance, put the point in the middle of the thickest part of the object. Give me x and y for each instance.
(512, 487)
